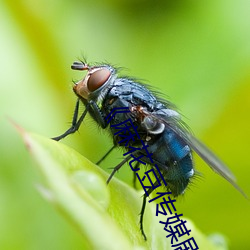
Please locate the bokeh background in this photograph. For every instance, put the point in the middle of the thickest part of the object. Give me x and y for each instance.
(195, 52)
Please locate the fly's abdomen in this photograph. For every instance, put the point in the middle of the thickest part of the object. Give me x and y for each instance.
(180, 165)
(174, 158)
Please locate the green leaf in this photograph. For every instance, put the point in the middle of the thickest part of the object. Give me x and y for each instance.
(106, 215)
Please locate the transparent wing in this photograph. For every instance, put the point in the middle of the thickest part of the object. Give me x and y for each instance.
(172, 120)
(210, 158)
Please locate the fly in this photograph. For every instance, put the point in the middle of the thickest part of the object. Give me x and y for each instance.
(167, 138)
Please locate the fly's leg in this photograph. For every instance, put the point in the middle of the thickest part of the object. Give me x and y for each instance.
(143, 210)
(134, 174)
(91, 107)
(105, 155)
(95, 110)
(141, 216)
(144, 196)
(75, 124)
(118, 167)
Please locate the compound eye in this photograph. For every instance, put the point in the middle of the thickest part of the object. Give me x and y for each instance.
(97, 79)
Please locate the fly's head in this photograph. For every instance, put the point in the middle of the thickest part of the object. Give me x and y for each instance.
(96, 79)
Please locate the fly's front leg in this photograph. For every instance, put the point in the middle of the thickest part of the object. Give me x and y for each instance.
(97, 113)
(75, 123)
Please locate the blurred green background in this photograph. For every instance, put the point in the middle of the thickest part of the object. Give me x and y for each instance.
(195, 52)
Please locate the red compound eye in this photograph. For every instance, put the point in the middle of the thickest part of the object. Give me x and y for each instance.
(97, 79)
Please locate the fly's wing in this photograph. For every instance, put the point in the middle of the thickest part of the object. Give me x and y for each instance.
(211, 159)
(172, 120)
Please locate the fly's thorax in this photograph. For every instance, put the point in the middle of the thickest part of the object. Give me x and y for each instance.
(94, 85)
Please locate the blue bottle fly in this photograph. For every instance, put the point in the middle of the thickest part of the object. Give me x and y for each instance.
(159, 125)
